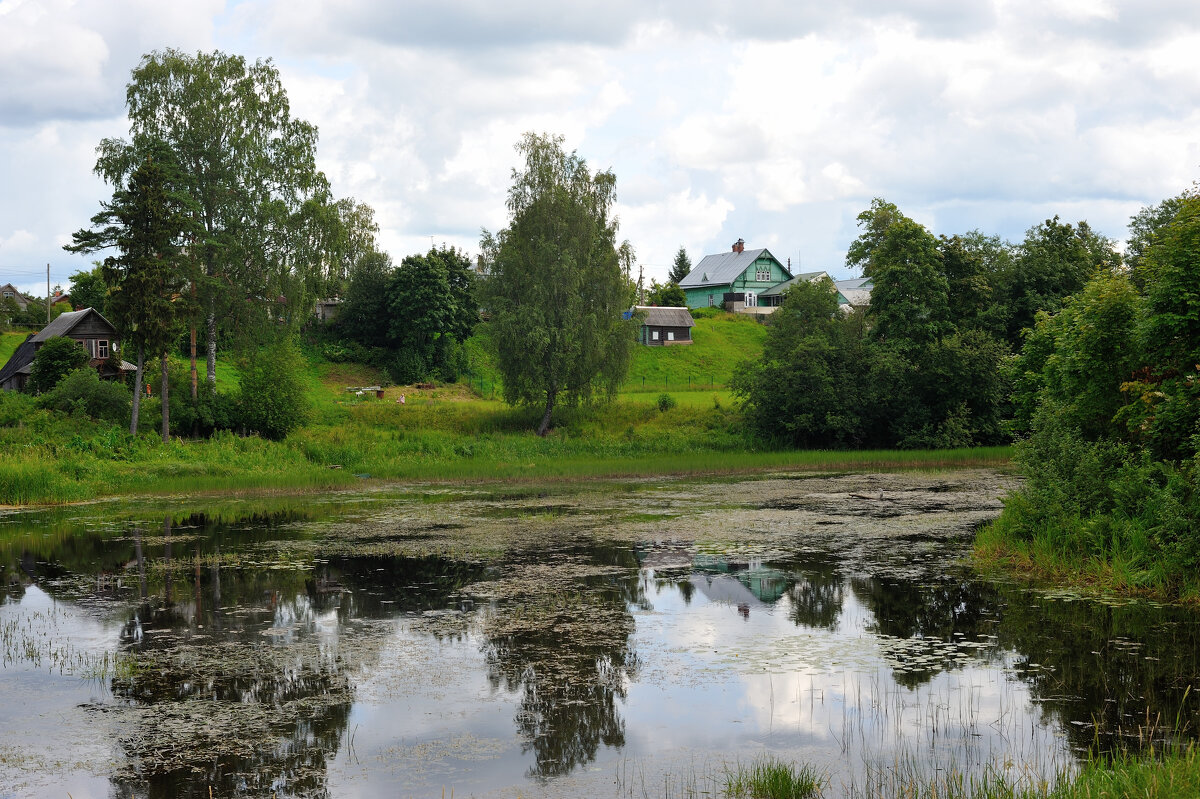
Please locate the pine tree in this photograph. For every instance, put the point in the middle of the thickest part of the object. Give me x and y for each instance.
(681, 267)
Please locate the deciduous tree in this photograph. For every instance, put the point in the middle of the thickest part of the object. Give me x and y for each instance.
(251, 169)
(556, 291)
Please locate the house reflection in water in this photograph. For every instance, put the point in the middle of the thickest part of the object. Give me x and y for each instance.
(742, 584)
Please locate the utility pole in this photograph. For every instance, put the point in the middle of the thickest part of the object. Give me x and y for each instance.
(47, 293)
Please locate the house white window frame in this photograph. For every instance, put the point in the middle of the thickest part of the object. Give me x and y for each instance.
(102, 349)
(711, 303)
(670, 335)
(654, 335)
(762, 275)
(751, 299)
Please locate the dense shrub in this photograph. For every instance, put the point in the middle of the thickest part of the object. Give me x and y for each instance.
(55, 359)
(82, 391)
(272, 400)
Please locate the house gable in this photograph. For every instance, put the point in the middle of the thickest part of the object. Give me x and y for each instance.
(740, 271)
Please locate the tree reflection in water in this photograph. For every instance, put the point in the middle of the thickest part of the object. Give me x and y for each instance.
(243, 682)
(568, 653)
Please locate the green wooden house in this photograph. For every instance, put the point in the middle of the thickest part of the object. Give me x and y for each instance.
(734, 278)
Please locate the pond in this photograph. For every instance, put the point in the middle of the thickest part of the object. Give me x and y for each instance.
(607, 639)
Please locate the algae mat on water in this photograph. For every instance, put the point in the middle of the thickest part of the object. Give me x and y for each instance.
(579, 638)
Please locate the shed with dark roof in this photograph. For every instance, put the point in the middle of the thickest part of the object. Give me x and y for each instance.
(664, 326)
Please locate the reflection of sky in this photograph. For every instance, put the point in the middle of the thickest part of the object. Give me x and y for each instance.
(717, 684)
(60, 752)
(722, 678)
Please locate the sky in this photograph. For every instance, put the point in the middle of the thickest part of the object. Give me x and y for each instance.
(773, 121)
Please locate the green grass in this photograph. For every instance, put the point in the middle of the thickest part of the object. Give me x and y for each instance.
(8, 344)
(719, 345)
(768, 778)
(1058, 550)
(48, 457)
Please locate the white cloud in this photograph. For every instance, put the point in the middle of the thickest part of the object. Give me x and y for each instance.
(775, 122)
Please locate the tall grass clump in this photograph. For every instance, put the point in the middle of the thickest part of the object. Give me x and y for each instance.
(769, 778)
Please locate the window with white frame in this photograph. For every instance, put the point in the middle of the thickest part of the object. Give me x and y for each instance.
(670, 335)
(751, 299)
(710, 301)
(654, 335)
(762, 274)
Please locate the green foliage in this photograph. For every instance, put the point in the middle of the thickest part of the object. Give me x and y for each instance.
(55, 359)
(909, 372)
(1107, 389)
(362, 316)
(556, 289)
(805, 391)
(667, 296)
(89, 289)
(9, 312)
(769, 778)
(680, 268)
(82, 391)
(1053, 262)
(272, 399)
(432, 308)
(665, 402)
(270, 228)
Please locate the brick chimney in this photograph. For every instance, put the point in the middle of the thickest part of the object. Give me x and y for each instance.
(740, 246)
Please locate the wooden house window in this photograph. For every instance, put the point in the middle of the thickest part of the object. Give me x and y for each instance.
(670, 335)
(654, 335)
(762, 275)
(102, 349)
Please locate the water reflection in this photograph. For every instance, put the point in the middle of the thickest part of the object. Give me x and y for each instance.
(567, 654)
(244, 645)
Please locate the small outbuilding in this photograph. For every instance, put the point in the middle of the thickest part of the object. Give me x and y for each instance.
(664, 326)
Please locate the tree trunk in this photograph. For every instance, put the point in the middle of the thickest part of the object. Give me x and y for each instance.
(192, 347)
(544, 427)
(211, 367)
(166, 406)
(137, 391)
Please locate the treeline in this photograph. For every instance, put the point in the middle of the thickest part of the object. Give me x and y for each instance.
(410, 321)
(927, 364)
(1088, 358)
(1107, 399)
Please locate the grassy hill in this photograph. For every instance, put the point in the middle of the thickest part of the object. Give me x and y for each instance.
(718, 345)
(8, 344)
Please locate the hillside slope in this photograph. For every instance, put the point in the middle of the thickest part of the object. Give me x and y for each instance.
(718, 345)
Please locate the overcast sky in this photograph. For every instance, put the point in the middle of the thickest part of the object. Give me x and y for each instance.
(776, 122)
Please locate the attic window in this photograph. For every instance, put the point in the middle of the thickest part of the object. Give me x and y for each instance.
(706, 277)
(762, 275)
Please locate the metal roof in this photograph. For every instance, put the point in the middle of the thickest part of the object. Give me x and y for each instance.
(803, 277)
(724, 268)
(63, 324)
(665, 317)
(857, 290)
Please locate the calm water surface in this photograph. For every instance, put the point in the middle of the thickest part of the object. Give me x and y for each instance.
(627, 639)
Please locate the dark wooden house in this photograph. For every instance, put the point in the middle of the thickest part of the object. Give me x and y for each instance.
(664, 326)
(87, 328)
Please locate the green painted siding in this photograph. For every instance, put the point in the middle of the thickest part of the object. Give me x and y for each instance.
(767, 268)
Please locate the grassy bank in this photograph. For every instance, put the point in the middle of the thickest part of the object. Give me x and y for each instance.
(437, 434)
